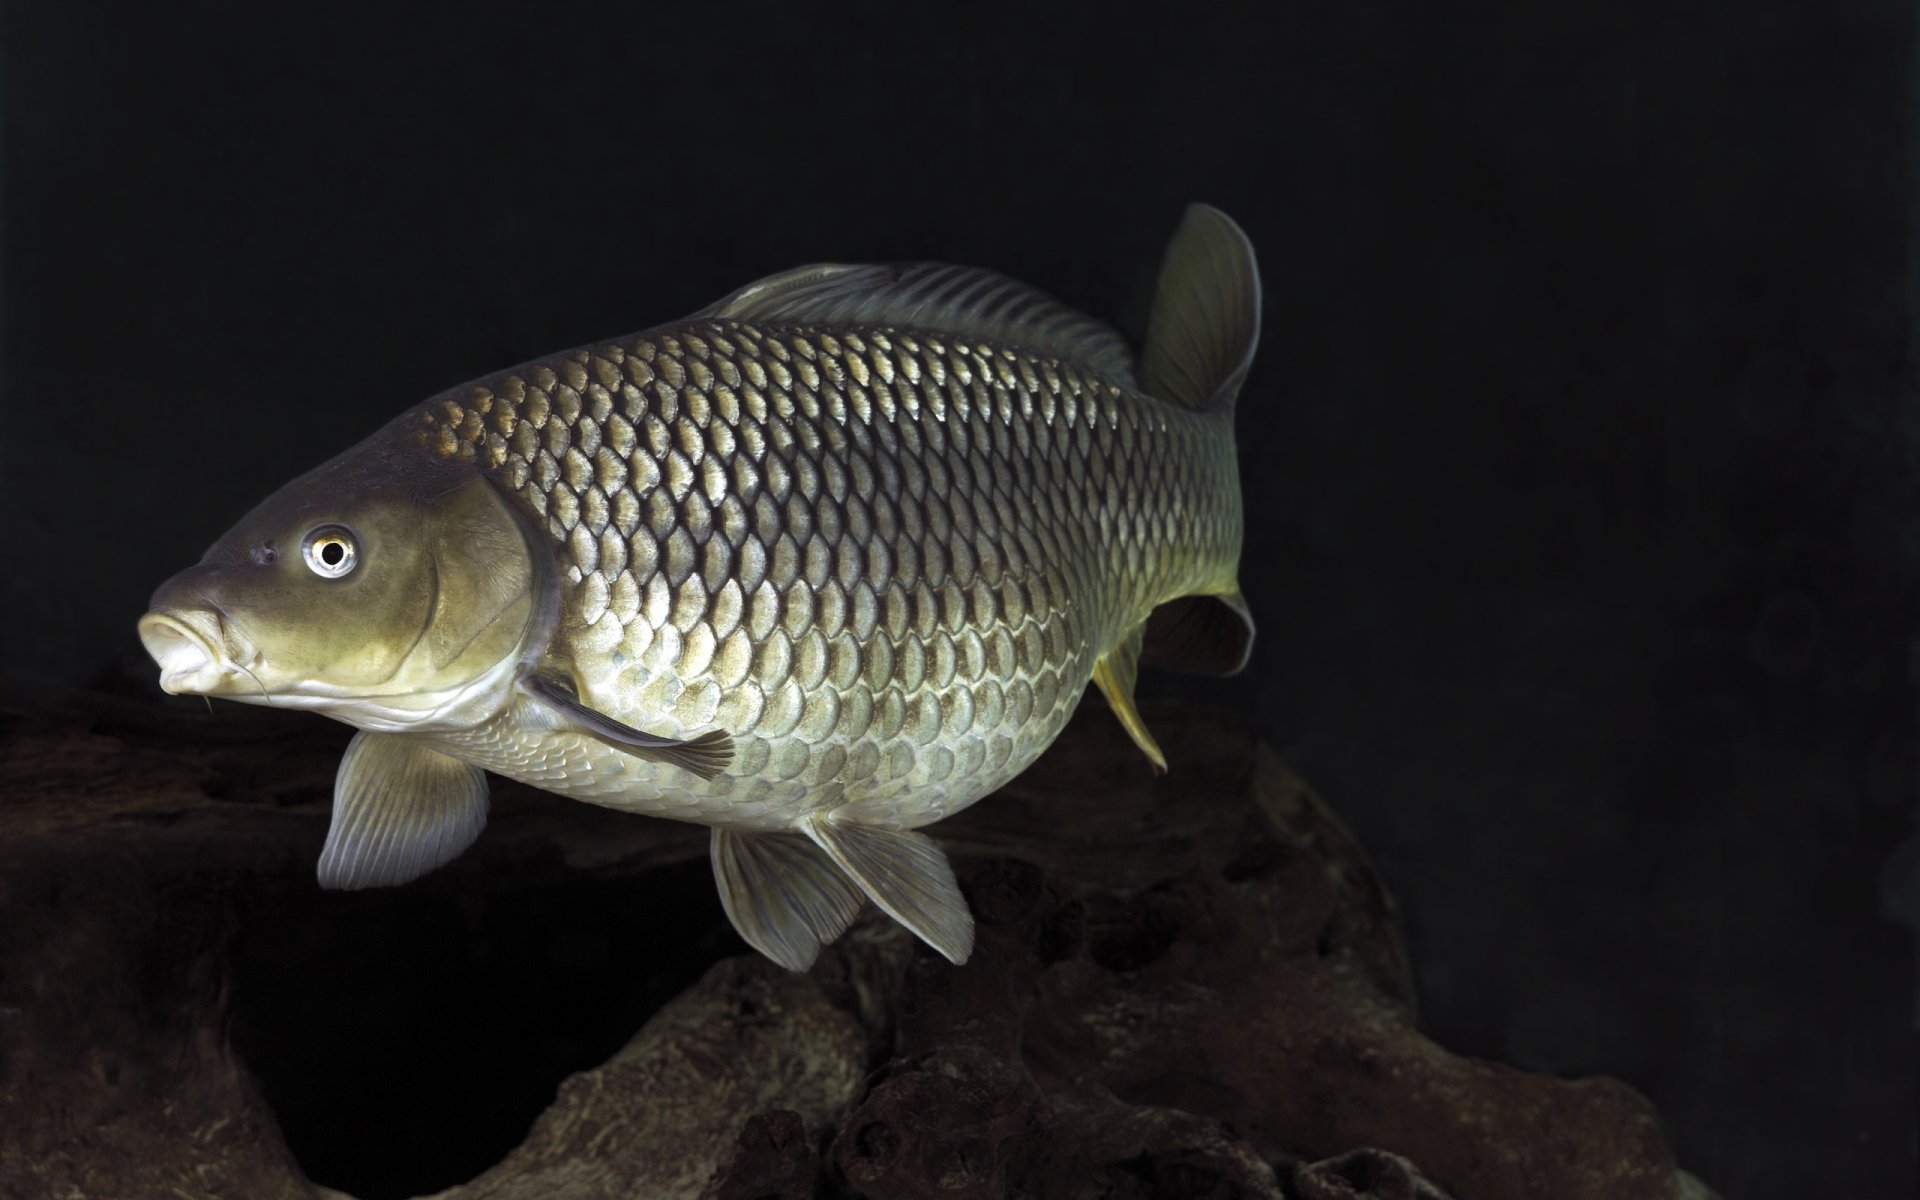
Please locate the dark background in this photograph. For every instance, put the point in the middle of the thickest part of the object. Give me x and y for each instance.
(1580, 453)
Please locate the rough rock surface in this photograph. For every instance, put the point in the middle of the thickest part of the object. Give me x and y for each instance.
(1183, 987)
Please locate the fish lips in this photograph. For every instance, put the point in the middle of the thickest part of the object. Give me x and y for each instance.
(190, 660)
(190, 635)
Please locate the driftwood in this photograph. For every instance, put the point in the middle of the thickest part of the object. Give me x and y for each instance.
(1183, 987)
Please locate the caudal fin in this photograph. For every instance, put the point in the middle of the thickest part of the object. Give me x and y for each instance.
(1206, 314)
(1200, 341)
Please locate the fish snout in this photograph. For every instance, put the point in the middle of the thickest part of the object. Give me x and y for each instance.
(189, 662)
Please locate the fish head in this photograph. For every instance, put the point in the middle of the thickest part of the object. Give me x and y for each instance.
(385, 588)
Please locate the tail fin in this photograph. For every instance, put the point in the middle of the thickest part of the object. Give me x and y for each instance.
(1206, 314)
(1200, 342)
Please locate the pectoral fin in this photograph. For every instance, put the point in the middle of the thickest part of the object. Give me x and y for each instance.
(1115, 672)
(706, 755)
(783, 894)
(907, 875)
(399, 810)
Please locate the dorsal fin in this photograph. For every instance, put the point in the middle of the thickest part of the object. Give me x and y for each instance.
(963, 302)
(1206, 314)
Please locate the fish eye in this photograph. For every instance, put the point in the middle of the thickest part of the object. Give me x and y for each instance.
(329, 550)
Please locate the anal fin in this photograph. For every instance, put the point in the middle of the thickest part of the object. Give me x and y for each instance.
(782, 892)
(1115, 673)
(400, 809)
(907, 875)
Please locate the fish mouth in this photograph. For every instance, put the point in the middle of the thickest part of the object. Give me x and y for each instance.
(190, 663)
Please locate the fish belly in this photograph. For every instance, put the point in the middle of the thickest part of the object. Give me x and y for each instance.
(884, 561)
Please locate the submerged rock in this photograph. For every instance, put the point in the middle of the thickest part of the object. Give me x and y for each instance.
(1183, 987)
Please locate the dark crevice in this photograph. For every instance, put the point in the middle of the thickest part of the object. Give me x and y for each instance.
(406, 1038)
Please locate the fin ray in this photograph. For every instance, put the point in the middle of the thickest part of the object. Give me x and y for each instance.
(907, 875)
(400, 810)
(782, 892)
(965, 302)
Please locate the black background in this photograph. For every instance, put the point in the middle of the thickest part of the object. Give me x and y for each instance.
(1579, 456)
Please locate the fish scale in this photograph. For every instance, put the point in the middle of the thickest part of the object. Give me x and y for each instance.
(956, 652)
(815, 566)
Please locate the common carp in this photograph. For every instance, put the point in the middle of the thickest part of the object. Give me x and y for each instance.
(816, 566)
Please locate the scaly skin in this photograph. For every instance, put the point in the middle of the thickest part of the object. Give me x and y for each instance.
(885, 560)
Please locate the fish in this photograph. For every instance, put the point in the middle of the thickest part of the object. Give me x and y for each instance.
(816, 566)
